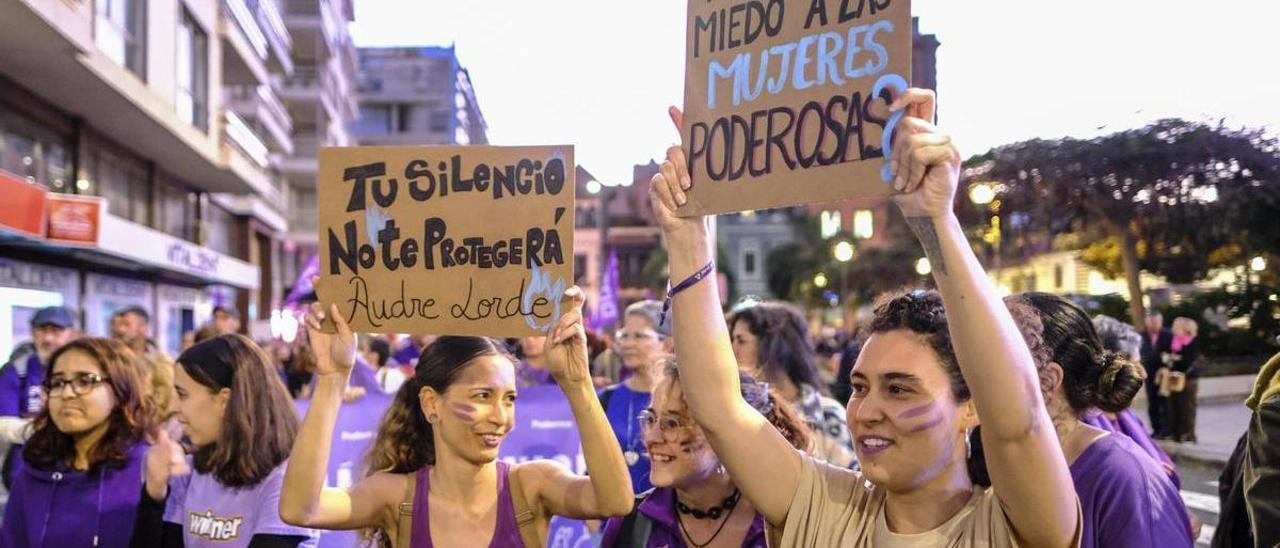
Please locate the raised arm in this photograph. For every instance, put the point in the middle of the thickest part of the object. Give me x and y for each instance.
(743, 439)
(1028, 471)
(607, 491)
(304, 500)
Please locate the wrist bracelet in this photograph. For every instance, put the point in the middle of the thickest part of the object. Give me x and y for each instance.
(683, 285)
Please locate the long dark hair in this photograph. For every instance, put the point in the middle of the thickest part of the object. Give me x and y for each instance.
(130, 422)
(1091, 375)
(784, 348)
(405, 441)
(260, 421)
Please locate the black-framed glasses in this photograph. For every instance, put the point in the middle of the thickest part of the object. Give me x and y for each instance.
(80, 383)
(669, 426)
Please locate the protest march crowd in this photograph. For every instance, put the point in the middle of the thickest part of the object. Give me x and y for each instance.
(962, 419)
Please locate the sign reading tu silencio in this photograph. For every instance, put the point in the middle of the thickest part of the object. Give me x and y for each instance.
(474, 240)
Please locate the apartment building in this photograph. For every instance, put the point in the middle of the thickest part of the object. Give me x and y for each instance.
(139, 147)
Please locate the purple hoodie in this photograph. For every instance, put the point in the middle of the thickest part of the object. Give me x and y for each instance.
(64, 508)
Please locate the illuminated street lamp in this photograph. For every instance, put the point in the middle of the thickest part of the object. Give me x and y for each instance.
(1258, 264)
(982, 193)
(843, 252)
(820, 280)
(923, 267)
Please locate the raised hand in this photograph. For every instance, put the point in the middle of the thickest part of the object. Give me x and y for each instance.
(165, 459)
(667, 188)
(566, 346)
(335, 349)
(926, 163)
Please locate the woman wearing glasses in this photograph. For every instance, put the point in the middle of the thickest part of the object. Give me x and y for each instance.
(78, 479)
(694, 502)
(642, 339)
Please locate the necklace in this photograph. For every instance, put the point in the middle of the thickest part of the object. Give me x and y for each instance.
(730, 503)
(631, 455)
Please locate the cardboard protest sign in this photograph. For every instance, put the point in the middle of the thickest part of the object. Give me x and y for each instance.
(786, 103)
(446, 240)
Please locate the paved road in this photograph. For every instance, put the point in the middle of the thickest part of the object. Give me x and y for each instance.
(1200, 493)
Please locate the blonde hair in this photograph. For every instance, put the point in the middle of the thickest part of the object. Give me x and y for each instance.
(1188, 325)
(159, 380)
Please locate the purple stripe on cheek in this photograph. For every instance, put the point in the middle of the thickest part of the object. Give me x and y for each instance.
(463, 411)
(916, 411)
(928, 425)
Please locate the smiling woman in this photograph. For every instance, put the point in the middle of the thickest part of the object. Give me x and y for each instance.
(82, 467)
(433, 474)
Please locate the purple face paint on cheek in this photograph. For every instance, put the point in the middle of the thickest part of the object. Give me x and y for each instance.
(463, 411)
(928, 424)
(916, 411)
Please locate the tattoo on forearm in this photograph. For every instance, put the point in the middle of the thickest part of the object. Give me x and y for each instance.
(928, 236)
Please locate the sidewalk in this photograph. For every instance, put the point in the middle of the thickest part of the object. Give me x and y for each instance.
(1221, 418)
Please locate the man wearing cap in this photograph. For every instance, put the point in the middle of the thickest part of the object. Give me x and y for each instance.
(21, 379)
(226, 319)
(129, 325)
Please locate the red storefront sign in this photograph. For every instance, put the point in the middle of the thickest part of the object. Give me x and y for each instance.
(22, 205)
(75, 219)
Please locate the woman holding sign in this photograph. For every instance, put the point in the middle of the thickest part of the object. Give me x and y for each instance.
(435, 479)
(911, 410)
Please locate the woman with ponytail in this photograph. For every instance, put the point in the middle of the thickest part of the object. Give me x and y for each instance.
(694, 502)
(434, 478)
(1125, 495)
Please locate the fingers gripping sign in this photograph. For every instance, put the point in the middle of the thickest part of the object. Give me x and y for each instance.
(566, 344)
(332, 341)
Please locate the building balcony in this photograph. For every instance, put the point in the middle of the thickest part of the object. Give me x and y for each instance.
(245, 155)
(277, 34)
(301, 166)
(306, 85)
(247, 49)
(260, 107)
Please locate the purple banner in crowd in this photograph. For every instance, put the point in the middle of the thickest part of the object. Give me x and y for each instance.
(302, 285)
(545, 430)
(607, 309)
(356, 428)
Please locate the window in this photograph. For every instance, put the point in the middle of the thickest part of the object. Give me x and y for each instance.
(221, 229)
(177, 208)
(1057, 276)
(749, 263)
(120, 32)
(192, 61)
(124, 182)
(34, 152)
(440, 119)
(864, 225)
(404, 118)
(374, 118)
(579, 267)
(830, 223)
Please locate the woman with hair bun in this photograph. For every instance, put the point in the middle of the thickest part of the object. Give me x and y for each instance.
(1126, 498)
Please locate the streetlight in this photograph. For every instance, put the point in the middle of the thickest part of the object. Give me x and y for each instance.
(982, 193)
(1258, 264)
(820, 280)
(923, 267)
(843, 252)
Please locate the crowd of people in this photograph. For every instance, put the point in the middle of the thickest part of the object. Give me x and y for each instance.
(957, 418)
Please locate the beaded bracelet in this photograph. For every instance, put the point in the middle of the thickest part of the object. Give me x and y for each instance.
(686, 284)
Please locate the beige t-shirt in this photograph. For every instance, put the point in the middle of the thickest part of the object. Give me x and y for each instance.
(837, 507)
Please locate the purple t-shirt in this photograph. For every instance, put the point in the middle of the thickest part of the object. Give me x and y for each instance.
(1130, 425)
(1126, 498)
(213, 515)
